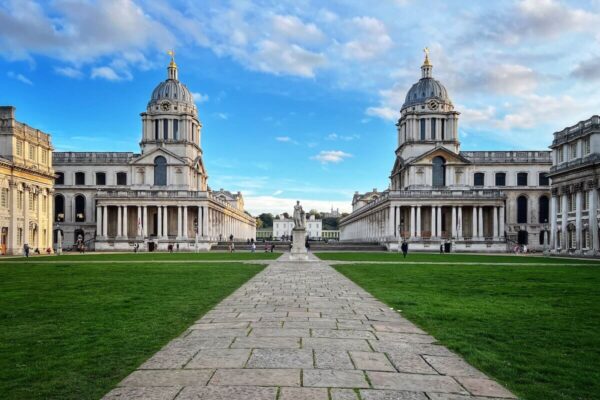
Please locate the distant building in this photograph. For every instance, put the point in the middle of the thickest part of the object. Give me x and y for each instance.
(264, 233)
(331, 234)
(26, 186)
(331, 214)
(574, 173)
(282, 227)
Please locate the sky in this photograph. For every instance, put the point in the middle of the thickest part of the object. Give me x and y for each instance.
(299, 98)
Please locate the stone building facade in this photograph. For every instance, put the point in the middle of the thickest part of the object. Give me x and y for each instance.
(156, 199)
(575, 177)
(482, 201)
(282, 227)
(26, 186)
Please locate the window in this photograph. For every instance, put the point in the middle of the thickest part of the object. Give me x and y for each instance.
(59, 208)
(422, 129)
(439, 171)
(20, 236)
(571, 202)
(79, 208)
(573, 150)
(100, 178)
(586, 200)
(44, 204)
(500, 179)
(31, 152)
(561, 154)
(79, 178)
(44, 157)
(156, 129)
(160, 171)
(165, 129)
(60, 178)
(443, 128)
(175, 129)
(4, 198)
(478, 179)
(559, 204)
(521, 210)
(20, 200)
(32, 198)
(20, 148)
(587, 148)
(543, 210)
(433, 123)
(522, 179)
(543, 179)
(586, 239)
(122, 178)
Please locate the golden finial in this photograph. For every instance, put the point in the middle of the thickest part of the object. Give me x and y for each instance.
(426, 51)
(172, 54)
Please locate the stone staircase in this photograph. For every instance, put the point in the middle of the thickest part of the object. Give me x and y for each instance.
(314, 246)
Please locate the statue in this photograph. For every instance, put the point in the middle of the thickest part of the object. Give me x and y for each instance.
(299, 217)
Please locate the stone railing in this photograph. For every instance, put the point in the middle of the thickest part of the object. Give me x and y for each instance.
(589, 159)
(150, 194)
(71, 157)
(575, 131)
(508, 156)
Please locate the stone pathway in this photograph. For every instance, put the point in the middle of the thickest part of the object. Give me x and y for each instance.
(303, 331)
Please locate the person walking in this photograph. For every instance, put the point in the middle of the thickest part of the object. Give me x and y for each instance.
(404, 248)
(26, 250)
(253, 247)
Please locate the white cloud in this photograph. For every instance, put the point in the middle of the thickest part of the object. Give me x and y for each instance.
(20, 77)
(331, 156)
(371, 39)
(223, 116)
(386, 113)
(291, 27)
(199, 97)
(69, 72)
(286, 139)
(334, 136)
(277, 192)
(105, 73)
(285, 58)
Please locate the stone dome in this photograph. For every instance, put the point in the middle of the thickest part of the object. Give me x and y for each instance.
(172, 89)
(427, 88)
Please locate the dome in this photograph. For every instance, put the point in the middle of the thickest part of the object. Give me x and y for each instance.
(172, 90)
(426, 88)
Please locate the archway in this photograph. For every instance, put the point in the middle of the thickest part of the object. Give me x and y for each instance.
(160, 171)
(439, 171)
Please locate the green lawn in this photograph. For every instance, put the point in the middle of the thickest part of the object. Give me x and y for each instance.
(210, 256)
(536, 329)
(72, 331)
(448, 258)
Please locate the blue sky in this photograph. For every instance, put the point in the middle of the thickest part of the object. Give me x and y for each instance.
(299, 98)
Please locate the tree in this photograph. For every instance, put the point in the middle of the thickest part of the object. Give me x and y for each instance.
(330, 224)
(259, 223)
(267, 220)
(286, 215)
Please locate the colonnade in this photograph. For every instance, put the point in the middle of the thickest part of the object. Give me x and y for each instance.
(418, 222)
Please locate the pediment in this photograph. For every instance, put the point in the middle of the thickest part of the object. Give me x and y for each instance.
(148, 158)
(449, 156)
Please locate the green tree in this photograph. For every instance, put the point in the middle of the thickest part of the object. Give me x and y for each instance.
(267, 220)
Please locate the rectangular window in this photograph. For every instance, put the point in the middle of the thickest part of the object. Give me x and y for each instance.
(44, 157)
(423, 129)
(175, 129)
(79, 178)
(60, 178)
(156, 129)
(121, 178)
(543, 179)
(20, 200)
(586, 200)
(478, 179)
(20, 236)
(500, 179)
(31, 152)
(100, 178)
(20, 148)
(165, 129)
(559, 204)
(586, 239)
(443, 128)
(31, 202)
(522, 179)
(587, 148)
(433, 128)
(561, 154)
(571, 204)
(573, 150)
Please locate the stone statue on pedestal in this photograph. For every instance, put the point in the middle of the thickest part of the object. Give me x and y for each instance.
(299, 251)
(299, 216)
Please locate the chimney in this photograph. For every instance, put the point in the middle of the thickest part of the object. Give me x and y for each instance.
(7, 112)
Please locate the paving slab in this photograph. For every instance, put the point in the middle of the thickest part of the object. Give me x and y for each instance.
(303, 331)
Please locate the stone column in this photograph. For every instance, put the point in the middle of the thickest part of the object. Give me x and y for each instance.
(418, 221)
(185, 222)
(179, 217)
(138, 222)
(553, 226)
(412, 221)
(204, 221)
(453, 222)
(439, 221)
(166, 222)
(501, 223)
(98, 220)
(125, 223)
(26, 194)
(564, 236)
(578, 230)
(460, 223)
(145, 223)
(474, 235)
(392, 222)
(495, 224)
(433, 225)
(119, 222)
(159, 217)
(480, 225)
(592, 212)
(105, 222)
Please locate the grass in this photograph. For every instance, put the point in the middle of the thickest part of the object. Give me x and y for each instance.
(533, 328)
(206, 256)
(448, 258)
(73, 331)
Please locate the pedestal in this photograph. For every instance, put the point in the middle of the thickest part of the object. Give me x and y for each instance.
(299, 252)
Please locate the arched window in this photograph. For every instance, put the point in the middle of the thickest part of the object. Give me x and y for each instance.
(478, 179)
(160, 171)
(544, 212)
(59, 208)
(439, 171)
(79, 208)
(522, 210)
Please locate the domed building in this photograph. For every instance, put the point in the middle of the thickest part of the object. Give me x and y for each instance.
(155, 199)
(484, 201)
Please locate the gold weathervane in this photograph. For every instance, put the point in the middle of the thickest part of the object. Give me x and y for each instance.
(426, 51)
(172, 54)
